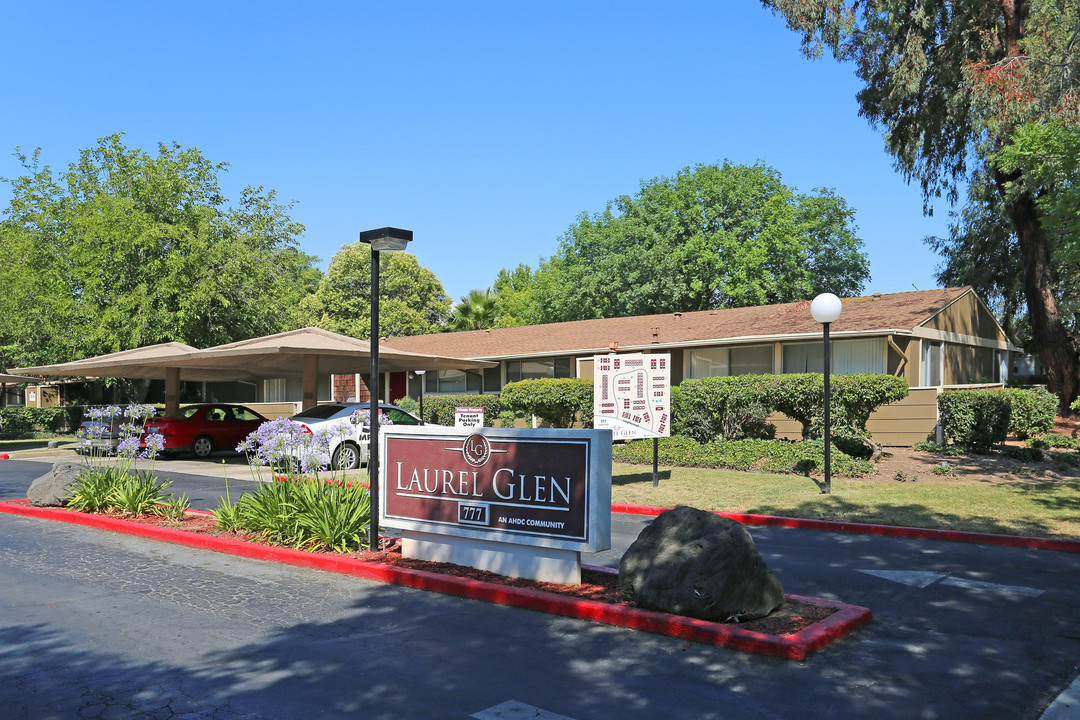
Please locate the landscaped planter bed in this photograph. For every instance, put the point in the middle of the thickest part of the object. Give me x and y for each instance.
(799, 627)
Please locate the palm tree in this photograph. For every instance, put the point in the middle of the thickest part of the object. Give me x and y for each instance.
(476, 311)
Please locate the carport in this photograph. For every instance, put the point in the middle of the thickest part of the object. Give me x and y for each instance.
(297, 353)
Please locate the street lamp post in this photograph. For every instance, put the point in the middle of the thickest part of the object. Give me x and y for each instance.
(420, 374)
(826, 309)
(385, 239)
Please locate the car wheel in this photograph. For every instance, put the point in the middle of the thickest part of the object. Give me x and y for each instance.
(346, 457)
(202, 447)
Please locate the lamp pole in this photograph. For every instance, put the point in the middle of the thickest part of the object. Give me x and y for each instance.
(826, 308)
(386, 239)
(420, 374)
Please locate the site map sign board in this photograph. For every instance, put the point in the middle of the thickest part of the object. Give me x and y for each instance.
(544, 487)
(632, 395)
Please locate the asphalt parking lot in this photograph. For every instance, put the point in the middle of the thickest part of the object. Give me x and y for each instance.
(94, 620)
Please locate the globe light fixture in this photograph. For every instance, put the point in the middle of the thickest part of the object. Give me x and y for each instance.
(387, 239)
(825, 309)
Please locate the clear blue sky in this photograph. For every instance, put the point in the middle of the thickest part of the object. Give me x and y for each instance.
(485, 127)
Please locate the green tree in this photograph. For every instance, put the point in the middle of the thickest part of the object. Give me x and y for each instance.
(127, 249)
(953, 85)
(411, 299)
(712, 236)
(514, 297)
(476, 311)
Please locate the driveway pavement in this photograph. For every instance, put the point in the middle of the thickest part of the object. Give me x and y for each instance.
(95, 624)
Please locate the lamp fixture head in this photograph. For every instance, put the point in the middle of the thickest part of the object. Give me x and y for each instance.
(387, 239)
(826, 308)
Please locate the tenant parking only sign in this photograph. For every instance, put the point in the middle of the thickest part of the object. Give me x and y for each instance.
(632, 395)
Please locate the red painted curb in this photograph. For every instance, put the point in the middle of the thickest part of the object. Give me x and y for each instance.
(887, 530)
(793, 647)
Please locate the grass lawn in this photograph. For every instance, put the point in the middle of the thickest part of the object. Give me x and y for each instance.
(1038, 509)
(7, 446)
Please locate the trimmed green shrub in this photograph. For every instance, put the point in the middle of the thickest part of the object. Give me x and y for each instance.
(731, 408)
(560, 402)
(19, 422)
(1033, 411)
(439, 409)
(410, 404)
(976, 419)
(777, 456)
(853, 398)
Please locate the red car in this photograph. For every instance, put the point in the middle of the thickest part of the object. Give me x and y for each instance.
(202, 429)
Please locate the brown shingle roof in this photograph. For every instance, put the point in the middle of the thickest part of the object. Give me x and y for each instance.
(895, 311)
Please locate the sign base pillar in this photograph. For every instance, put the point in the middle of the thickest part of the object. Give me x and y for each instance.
(520, 561)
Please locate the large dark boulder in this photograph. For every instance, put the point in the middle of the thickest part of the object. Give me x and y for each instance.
(695, 563)
(50, 489)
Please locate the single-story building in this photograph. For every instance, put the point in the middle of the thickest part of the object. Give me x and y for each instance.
(936, 339)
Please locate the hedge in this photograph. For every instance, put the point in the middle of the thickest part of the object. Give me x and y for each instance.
(976, 419)
(560, 402)
(735, 407)
(24, 420)
(980, 419)
(776, 456)
(439, 409)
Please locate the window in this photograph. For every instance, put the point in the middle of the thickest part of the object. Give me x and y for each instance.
(537, 368)
(847, 357)
(930, 367)
(719, 362)
(454, 381)
(398, 417)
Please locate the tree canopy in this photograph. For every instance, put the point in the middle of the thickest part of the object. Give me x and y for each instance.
(982, 92)
(126, 249)
(411, 301)
(713, 236)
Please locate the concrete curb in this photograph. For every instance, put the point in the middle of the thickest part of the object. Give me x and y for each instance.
(1072, 546)
(793, 647)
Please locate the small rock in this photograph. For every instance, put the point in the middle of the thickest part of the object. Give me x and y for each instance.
(695, 563)
(50, 489)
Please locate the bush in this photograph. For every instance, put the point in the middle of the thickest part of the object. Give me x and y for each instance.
(507, 418)
(410, 404)
(439, 409)
(1052, 440)
(738, 406)
(976, 419)
(1023, 454)
(731, 408)
(21, 422)
(559, 402)
(778, 456)
(1033, 411)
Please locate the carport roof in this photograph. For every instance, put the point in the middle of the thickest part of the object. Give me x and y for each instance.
(271, 356)
(6, 379)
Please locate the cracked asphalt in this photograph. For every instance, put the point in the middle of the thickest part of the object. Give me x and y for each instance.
(95, 624)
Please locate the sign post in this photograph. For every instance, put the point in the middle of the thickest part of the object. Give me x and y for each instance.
(632, 398)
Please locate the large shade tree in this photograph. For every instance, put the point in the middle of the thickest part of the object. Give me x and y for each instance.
(411, 299)
(127, 248)
(713, 236)
(985, 92)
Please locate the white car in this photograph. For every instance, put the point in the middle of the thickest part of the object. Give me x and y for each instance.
(345, 429)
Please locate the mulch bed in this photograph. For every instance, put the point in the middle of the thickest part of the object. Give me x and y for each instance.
(597, 585)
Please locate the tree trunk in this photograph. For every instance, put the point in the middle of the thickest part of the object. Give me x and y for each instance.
(1057, 347)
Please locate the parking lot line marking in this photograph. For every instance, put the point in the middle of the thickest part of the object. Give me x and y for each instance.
(994, 587)
(514, 710)
(915, 578)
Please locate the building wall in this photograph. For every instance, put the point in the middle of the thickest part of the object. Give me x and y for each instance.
(965, 364)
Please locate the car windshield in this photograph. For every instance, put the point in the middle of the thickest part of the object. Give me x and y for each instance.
(324, 412)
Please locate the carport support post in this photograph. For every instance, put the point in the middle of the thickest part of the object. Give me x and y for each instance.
(172, 392)
(311, 382)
